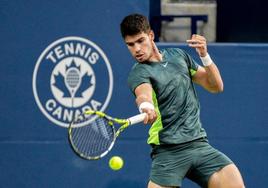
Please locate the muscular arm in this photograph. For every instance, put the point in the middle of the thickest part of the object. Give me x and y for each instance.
(209, 78)
(144, 94)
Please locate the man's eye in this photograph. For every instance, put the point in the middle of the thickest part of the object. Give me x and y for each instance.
(140, 41)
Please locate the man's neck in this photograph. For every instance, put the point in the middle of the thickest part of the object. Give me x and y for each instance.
(156, 57)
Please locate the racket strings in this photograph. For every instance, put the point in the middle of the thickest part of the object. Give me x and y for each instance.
(73, 78)
(94, 139)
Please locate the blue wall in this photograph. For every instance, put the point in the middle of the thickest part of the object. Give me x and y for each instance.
(34, 150)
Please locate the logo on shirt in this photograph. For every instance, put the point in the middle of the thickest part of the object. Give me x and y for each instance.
(72, 75)
(164, 64)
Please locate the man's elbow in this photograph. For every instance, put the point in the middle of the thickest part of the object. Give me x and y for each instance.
(217, 89)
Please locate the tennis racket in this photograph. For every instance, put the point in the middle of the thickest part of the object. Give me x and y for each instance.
(92, 134)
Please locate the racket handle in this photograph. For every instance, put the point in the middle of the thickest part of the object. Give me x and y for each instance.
(137, 119)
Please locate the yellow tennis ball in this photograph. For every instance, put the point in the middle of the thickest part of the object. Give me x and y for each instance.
(116, 163)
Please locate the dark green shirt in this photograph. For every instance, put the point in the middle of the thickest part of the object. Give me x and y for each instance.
(174, 97)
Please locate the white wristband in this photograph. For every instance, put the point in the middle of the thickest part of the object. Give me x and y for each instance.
(146, 105)
(206, 60)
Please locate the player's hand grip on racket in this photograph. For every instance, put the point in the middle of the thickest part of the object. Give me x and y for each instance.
(93, 134)
(137, 119)
(150, 115)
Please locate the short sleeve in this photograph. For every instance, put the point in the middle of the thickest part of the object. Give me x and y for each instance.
(191, 63)
(138, 75)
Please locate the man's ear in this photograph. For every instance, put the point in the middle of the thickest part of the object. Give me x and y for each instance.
(151, 35)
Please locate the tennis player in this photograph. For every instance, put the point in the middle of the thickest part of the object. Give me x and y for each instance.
(162, 81)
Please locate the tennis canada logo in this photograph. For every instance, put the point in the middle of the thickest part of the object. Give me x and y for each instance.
(72, 75)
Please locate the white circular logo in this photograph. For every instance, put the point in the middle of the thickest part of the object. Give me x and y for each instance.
(72, 75)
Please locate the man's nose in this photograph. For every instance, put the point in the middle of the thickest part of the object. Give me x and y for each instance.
(137, 48)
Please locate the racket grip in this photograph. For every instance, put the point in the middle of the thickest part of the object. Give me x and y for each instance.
(137, 119)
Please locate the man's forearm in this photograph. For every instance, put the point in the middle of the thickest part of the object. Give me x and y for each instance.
(214, 78)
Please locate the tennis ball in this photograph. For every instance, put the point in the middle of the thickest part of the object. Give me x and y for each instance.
(116, 163)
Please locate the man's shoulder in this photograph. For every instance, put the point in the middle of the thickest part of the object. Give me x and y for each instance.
(138, 66)
(139, 69)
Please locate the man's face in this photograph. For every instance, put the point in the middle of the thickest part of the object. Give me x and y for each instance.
(140, 46)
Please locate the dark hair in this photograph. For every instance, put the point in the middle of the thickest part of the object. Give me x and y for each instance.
(134, 24)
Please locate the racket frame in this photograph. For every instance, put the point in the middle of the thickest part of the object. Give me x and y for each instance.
(123, 122)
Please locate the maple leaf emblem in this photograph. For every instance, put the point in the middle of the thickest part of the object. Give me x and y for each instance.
(82, 82)
(60, 84)
(85, 84)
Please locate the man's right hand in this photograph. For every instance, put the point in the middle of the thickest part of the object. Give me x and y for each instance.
(151, 116)
(144, 101)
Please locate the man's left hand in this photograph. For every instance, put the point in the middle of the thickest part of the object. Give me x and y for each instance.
(199, 43)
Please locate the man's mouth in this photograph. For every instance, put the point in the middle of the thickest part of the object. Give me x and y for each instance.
(139, 56)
